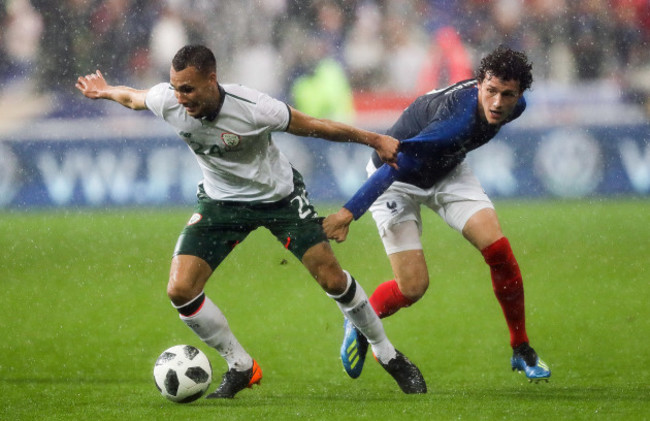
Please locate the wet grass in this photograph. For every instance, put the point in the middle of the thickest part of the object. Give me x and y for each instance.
(84, 316)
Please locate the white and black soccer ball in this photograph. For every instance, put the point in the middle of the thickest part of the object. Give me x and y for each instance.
(182, 373)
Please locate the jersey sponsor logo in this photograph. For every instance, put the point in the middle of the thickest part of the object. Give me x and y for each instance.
(194, 219)
(200, 149)
(392, 206)
(231, 140)
(186, 135)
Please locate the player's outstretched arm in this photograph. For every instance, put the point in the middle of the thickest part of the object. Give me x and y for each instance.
(306, 125)
(94, 86)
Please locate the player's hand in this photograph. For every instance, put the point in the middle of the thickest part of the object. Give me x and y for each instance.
(92, 85)
(337, 225)
(387, 150)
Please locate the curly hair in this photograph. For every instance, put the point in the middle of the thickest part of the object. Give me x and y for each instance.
(198, 56)
(507, 64)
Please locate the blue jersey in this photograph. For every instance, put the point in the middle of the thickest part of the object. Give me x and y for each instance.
(435, 132)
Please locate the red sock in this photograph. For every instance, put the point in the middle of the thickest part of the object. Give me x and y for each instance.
(387, 299)
(508, 287)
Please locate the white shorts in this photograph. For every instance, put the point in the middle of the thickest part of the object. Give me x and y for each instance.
(455, 198)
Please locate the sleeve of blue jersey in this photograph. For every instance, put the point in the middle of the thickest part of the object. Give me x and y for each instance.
(441, 134)
(374, 186)
(378, 182)
(445, 132)
(438, 136)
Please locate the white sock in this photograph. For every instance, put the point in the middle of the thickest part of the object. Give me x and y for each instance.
(355, 306)
(209, 323)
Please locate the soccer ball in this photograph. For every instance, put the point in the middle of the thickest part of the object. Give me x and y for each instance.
(182, 373)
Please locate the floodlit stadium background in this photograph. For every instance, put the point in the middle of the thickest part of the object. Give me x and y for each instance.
(86, 230)
(585, 132)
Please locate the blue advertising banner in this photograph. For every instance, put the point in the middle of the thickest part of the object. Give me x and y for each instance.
(132, 171)
(566, 162)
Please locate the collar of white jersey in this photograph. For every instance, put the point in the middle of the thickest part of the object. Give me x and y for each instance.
(222, 97)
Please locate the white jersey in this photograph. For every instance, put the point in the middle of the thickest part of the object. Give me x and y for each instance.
(238, 159)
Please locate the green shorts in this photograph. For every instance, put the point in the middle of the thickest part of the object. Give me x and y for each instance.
(216, 227)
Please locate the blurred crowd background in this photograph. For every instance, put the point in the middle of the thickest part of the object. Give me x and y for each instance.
(330, 58)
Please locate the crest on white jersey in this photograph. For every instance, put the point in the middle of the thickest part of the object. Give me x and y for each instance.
(230, 139)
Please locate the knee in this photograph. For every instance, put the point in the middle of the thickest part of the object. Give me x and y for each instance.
(483, 229)
(414, 288)
(331, 278)
(179, 292)
(187, 278)
(329, 275)
(497, 252)
(325, 269)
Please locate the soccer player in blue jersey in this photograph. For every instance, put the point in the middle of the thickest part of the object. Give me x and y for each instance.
(436, 131)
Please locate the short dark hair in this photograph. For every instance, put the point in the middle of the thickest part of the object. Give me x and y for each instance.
(507, 64)
(198, 56)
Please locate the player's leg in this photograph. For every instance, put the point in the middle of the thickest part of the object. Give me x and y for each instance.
(192, 265)
(298, 228)
(484, 232)
(397, 215)
(188, 276)
(404, 249)
(465, 206)
(353, 303)
(187, 279)
(410, 283)
(349, 295)
(410, 275)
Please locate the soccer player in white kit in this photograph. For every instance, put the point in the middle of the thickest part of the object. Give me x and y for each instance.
(436, 132)
(248, 183)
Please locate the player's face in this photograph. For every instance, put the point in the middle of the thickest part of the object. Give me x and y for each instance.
(195, 91)
(497, 98)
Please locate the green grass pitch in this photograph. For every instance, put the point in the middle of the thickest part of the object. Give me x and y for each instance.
(84, 315)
